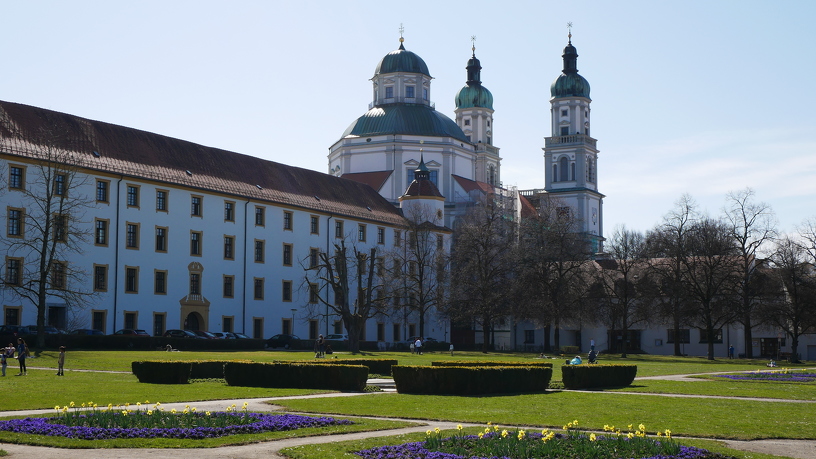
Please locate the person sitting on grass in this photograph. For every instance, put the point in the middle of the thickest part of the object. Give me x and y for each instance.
(575, 361)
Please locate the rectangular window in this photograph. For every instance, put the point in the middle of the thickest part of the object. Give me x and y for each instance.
(14, 227)
(397, 238)
(685, 336)
(396, 331)
(361, 233)
(286, 326)
(132, 196)
(564, 112)
(226, 324)
(564, 130)
(160, 282)
(132, 236)
(14, 271)
(718, 336)
(529, 336)
(380, 235)
(467, 122)
(161, 239)
(314, 257)
(60, 228)
(100, 278)
(313, 326)
(380, 266)
(314, 224)
(409, 92)
(161, 200)
(425, 93)
(59, 184)
(58, 274)
(260, 253)
(287, 220)
(257, 327)
(314, 293)
(260, 218)
(195, 243)
(287, 254)
(101, 232)
(130, 319)
(440, 242)
(16, 178)
(229, 211)
(99, 319)
(102, 187)
(158, 323)
(228, 286)
(131, 280)
(195, 284)
(286, 292)
(380, 332)
(389, 92)
(258, 290)
(229, 247)
(338, 229)
(195, 206)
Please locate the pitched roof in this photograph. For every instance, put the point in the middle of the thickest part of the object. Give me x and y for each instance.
(425, 188)
(374, 179)
(134, 153)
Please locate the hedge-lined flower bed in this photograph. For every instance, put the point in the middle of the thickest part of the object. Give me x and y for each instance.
(773, 375)
(112, 423)
(496, 443)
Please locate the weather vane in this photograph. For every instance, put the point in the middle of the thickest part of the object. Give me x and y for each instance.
(473, 41)
(569, 27)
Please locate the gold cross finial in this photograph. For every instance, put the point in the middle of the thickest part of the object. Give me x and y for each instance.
(401, 30)
(569, 27)
(473, 41)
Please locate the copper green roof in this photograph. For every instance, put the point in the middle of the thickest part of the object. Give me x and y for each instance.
(401, 60)
(569, 83)
(407, 119)
(474, 96)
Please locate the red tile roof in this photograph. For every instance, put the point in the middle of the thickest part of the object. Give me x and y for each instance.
(423, 188)
(470, 185)
(130, 152)
(375, 179)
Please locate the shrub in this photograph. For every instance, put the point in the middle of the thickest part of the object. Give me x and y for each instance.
(587, 376)
(487, 363)
(296, 375)
(375, 366)
(471, 380)
(157, 372)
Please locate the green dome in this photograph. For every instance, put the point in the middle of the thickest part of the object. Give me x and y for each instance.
(408, 119)
(569, 83)
(401, 61)
(474, 96)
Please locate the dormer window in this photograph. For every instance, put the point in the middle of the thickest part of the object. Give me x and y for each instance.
(389, 92)
(409, 92)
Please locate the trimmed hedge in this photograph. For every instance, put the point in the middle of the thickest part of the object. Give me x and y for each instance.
(588, 376)
(376, 366)
(488, 363)
(159, 372)
(471, 380)
(297, 375)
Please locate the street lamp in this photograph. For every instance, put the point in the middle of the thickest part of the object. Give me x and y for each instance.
(292, 328)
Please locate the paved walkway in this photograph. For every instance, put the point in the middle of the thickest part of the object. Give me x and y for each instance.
(799, 449)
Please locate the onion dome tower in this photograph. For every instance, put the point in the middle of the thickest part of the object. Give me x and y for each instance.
(474, 115)
(422, 197)
(570, 154)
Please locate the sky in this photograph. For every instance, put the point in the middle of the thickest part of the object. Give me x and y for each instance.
(696, 97)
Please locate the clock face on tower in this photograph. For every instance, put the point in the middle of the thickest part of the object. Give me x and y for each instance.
(594, 216)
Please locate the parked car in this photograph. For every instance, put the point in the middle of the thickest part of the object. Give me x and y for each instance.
(239, 336)
(86, 331)
(49, 330)
(180, 334)
(336, 338)
(131, 332)
(204, 334)
(284, 341)
(14, 330)
(223, 335)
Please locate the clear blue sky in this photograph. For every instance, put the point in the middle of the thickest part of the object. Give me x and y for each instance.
(698, 97)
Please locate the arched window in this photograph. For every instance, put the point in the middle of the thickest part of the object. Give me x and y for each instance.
(491, 175)
(590, 173)
(555, 172)
(562, 164)
(572, 171)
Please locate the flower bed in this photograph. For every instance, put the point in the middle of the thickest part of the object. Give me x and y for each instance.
(111, 423)
(784, 375)
(495, 443)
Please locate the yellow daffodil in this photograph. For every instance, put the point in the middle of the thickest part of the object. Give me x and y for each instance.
(72, 404)
(487, 430)
(668, 433)
(642, 428)
(173, 411)
(124, 412)
(428, 432)
(459, 427)
(659, 433)
(436, 430)
(630, 435)
(57, 407)
(592, 437)
(481, 435)
(505, 433)
(207, 413)
(521, 435)
(630, 427)
(193, 409)
(83, 404)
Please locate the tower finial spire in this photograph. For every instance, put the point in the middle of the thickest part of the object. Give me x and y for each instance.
(473, 41)
(569, 35)
(401, 31)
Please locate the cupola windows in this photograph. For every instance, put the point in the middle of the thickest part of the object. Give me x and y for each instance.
(389, 92)
(409, 92)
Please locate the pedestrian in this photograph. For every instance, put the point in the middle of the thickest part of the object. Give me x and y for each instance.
(22, 353)
(418, 346)
(451, 348)
(3, 362)
(61, 361)
(592, 345)
(411, 345)
(731, 351)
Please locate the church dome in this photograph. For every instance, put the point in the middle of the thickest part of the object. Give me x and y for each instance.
(407, 119)
(569, 83)
(474, 96)
(401, 60)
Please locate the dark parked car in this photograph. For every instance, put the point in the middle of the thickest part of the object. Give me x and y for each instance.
(223, 335)
(204, 334)
(179, 334)
(131, 332)
(49, 330)
(14, 330)
(284, 341)
(239, 336)
(86, 331)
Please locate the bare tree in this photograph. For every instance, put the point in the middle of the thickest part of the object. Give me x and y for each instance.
(668, 246)
(622, 280)
(752, 226)
(51, 229)
(794, 310)
(483, 265)
(344, 272)
(552, 260)
(416, 269)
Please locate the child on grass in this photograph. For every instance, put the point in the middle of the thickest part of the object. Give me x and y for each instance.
(61, 361)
